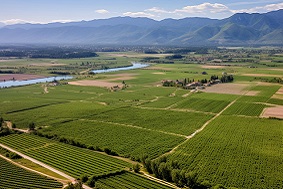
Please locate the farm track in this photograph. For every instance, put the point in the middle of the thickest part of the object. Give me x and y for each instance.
(199, 130)
(176, 110)
(158, 180)
(9, 125)
(43, 165)
(32, 170)
(134, 126)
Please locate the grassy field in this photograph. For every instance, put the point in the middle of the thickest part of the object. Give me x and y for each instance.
(238, 148)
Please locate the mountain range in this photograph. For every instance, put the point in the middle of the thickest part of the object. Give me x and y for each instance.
(239, 29)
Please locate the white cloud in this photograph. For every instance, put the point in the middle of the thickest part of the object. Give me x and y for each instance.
(261, 9)
(157, 10)
(62, 21)
(102, 11)
(138, 14)
(16, 21)
(204, 8)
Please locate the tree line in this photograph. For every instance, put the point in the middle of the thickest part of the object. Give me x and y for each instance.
(171, 171)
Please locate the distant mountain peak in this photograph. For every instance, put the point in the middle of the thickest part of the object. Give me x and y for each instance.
(240, 28)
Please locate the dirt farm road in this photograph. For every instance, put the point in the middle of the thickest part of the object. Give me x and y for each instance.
(42, 164)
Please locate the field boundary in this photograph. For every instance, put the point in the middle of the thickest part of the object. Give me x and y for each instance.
(43, 165)
(199, 130)
(32, 170)
(134, 126)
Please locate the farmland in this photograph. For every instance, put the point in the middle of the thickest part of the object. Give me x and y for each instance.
(16, 177)
(218, 133)
(72, 160)
(129, 180)
(250, 152)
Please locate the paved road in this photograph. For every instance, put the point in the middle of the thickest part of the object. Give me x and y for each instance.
(42, 164)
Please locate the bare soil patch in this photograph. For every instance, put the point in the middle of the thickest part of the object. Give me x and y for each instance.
(263, 75)
(252, 93)
(276, 69)
(280, 91)
(227, 88)
(273, 112)
(96, 83)
(19, 77)
(278, 94)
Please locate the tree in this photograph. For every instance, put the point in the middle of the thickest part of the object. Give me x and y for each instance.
(175, 174)
(147, 165)
(191, 178)
(136, 168)
(84, 178)
(77, 185)
(91, 181)
(31, 126)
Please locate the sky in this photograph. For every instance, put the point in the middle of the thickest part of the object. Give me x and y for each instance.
(47, 11)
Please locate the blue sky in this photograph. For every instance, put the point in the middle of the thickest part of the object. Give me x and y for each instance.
(45, 11)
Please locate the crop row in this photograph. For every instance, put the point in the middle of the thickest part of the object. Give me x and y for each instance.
(245, 108)
(236, 151)
(164, 120)
(72, 160)
(12, 176)
(129, 180)
(124, 140)
(205, 105)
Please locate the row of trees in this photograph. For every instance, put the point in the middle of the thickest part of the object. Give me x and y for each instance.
(75, 143)
(171, 171)
(90, 181)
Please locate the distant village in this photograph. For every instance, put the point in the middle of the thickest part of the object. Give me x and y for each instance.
(199, 84)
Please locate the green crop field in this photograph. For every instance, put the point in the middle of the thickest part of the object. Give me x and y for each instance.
(130, 181)
(172, 121)
(72, 160)
(200, 104)
(248, 109)
(236, 151)
(126, 140)
(14, 177)
(146, 121)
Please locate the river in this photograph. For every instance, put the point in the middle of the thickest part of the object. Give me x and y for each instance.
(134, 66)
(16, 83)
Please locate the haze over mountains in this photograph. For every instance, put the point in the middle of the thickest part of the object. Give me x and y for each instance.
(239, 29)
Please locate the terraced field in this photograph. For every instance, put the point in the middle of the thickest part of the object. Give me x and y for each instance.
(14, 177)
